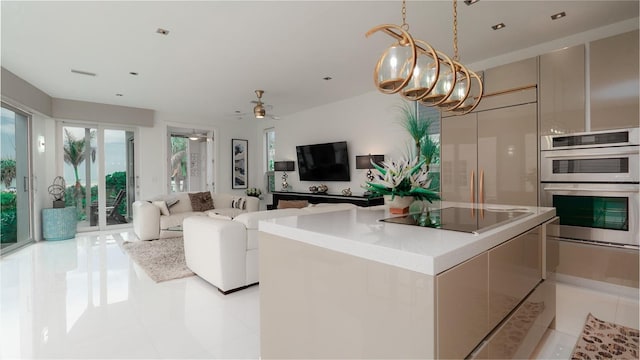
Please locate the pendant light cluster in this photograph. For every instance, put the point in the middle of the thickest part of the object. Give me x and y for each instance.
(421, 73)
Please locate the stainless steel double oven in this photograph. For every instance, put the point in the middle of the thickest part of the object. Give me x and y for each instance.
(593, 181)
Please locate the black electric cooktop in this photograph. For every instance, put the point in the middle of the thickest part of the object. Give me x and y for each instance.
(460, 219)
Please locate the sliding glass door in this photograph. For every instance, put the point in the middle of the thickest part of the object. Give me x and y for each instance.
(99, 171)
(15, 188)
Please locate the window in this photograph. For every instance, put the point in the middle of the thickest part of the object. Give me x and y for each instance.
(270, 156)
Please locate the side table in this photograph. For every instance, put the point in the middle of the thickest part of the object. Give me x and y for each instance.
(59, 223)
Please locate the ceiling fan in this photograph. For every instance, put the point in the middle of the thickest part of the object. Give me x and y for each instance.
(260, 110)
(197, 136)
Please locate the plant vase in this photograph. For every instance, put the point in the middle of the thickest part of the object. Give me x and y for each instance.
(399, 204)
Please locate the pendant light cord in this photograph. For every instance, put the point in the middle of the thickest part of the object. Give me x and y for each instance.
(455, 30)
(404, 25)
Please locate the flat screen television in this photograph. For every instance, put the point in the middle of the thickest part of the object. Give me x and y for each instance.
(323, 162)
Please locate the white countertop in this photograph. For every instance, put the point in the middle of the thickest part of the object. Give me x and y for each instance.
(359, 232)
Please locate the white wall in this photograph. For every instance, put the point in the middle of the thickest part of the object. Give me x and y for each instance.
(368, 123)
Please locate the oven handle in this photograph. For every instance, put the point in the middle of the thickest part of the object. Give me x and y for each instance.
(589, 155)
(590, 190)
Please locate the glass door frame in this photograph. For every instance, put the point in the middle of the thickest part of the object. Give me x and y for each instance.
(101, 171)
(208, 183)
(27, 182)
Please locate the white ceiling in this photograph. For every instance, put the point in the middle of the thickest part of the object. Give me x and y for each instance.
(218, 52)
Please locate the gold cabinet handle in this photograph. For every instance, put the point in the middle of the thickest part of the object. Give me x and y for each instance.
(472, 187)
(481, 186)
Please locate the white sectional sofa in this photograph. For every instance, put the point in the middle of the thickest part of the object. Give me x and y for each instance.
(224, 252)
(150, 223)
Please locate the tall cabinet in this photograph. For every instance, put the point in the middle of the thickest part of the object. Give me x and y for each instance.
(614, 81)
(491, 156)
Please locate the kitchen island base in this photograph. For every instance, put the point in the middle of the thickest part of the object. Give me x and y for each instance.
(317, 303)
(362, 288)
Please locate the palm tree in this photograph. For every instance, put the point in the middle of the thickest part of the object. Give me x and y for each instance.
(7, 171)
(416, 124)
(74, 155)
(178, 161)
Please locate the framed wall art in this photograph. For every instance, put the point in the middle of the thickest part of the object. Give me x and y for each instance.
(239, 159)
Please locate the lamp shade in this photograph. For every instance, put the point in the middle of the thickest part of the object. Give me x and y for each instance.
(284, 166)
(364, 161)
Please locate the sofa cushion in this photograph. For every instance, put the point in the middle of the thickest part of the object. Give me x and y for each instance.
(239, 203)
(176, 219)
(162, 205)
(251, 219)
(296, 204)
(171, 203)
(183, 203)
(201, 201)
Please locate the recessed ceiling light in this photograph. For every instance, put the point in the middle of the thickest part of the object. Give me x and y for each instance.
(83, 72)
(470, 2)
(119, 95)
(498, 26)
(327, 78)
(133, 73)
(559, 15)
(162, 31)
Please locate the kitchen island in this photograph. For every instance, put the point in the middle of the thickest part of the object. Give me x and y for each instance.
(345, 284)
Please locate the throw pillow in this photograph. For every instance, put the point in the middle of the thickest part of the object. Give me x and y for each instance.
(239, 203)
(201, 201)
(172, 202)
(162, 205)
(296, 204)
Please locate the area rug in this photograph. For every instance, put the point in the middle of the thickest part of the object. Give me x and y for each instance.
(161, 259)
(604, 340)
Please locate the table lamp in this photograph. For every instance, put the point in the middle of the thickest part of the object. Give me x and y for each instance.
(364, 162)
(284, 166)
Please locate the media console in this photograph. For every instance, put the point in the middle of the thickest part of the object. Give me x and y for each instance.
(325, 198)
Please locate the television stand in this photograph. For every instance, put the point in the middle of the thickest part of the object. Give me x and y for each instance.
(315, 198)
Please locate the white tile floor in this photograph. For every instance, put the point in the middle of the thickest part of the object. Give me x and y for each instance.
(84, 298)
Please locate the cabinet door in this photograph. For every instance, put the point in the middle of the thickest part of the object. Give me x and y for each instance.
(510, 76)
(458, 158)
(562, 100)
(614, 81)
(515, 268)
(508, 156)
(462, 303)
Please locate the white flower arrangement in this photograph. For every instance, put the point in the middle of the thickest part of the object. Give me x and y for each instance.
(402, 178)
(255, 192)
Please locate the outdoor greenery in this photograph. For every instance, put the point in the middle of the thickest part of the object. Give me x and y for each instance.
(75, 154)
(7, 171)
(178, 161)
(8, 221)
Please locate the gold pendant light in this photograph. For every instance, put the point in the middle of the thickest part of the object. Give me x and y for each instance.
(420, 73)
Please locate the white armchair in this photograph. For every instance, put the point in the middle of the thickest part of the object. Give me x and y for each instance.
(217, 251)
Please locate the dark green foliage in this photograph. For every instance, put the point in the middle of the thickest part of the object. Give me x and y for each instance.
(8, 221)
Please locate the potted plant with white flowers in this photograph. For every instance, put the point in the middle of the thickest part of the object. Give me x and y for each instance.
(402, 182)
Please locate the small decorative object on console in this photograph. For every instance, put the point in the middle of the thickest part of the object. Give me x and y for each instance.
(346, 192)
(322, 188)
(57, 191)
(313, 189)
(255, 192)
